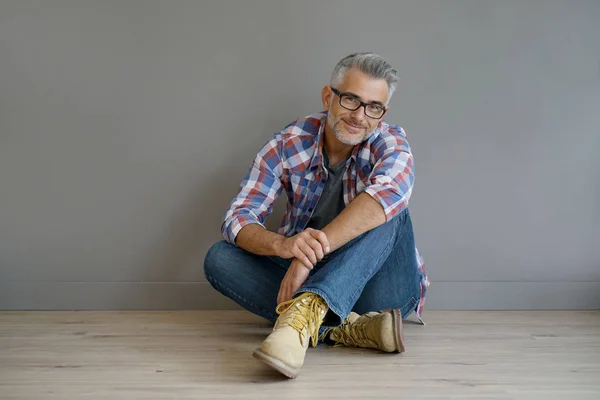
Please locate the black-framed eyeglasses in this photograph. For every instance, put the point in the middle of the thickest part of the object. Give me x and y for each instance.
(352, 103)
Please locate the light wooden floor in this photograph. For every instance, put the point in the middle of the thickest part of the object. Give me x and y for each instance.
(207, 354)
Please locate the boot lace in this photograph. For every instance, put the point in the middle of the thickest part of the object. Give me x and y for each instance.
(353, 334)
(305, 311)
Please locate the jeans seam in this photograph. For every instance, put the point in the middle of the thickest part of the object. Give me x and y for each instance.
(411, 300)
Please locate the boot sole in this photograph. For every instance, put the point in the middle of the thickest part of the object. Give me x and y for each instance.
(398, 336)
(276, 364)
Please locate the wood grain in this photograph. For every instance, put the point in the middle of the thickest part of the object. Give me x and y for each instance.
(207, 355)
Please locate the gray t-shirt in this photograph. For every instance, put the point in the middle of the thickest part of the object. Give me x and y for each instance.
(331, 202)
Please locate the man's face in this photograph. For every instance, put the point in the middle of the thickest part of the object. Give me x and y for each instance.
(353, 127)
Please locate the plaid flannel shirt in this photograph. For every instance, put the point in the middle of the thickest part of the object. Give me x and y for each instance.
(292, 160)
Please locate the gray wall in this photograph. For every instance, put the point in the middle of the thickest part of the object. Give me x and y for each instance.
(126, 127)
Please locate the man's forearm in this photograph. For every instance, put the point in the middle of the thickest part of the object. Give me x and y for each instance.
(258, 240)
(361, 215)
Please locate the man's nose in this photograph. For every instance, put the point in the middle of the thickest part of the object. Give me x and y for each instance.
(358, 114)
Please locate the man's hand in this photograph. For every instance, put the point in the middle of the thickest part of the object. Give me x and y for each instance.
(308, 246)
(293, 279)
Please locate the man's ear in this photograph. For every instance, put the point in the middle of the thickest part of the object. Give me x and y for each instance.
(326, 94)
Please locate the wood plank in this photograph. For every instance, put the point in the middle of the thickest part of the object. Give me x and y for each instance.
(207, 354)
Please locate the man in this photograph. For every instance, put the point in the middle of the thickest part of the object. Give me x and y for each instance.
(343, 267)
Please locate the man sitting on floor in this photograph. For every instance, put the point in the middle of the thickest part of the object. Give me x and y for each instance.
(343, 267)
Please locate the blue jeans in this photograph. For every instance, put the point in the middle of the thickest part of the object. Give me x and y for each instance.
(375, 271)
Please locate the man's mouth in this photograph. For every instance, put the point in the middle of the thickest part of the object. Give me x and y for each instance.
(355, 127)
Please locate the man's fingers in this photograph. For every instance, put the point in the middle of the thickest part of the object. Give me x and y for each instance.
(317, 248)
(299, 254)
(280, 293)
(307, 263)
(310, 253)
(283, 296)
(322, 238)
(292, 281)
(286, 295)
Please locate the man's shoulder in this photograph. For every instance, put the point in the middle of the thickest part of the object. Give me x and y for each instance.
(386, 129)
(388, 136)
(304, 126)
(297, 141)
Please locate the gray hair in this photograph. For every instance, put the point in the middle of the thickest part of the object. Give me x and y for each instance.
(371, 64)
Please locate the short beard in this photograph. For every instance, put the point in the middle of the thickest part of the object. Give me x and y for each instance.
(332, 122)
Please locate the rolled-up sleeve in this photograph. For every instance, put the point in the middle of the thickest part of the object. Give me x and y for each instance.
(258, 191)
(391, 180)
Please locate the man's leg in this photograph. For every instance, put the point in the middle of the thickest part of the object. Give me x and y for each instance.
(374, 271)
(251, 281)
(377, 270)
(397, 284)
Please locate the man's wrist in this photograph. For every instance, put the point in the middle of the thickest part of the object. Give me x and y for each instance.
(278, 245)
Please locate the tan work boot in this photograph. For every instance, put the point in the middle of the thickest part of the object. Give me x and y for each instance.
(299, 321)
(374, 330)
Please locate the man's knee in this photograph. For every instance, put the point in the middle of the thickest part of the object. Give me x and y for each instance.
(400, 223)
(216, 258)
